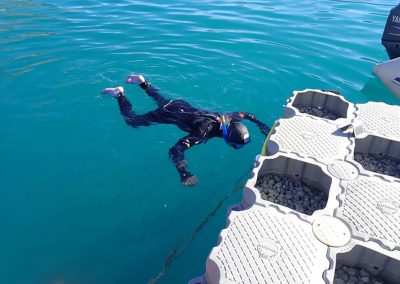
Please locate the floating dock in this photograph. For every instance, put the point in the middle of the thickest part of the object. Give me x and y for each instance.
(323, 202)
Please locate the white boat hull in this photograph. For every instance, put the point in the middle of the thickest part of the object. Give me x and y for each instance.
(389, 73)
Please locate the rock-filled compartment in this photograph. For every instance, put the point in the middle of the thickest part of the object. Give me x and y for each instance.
(318, 112)
(379, 163)
(378, 155)
(362, 265)
(291, 192)
(321, 104)
(354, 275)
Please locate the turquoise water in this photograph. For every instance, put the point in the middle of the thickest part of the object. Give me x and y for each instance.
(86, 199)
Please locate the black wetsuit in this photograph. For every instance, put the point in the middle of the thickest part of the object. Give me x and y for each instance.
(200, 124)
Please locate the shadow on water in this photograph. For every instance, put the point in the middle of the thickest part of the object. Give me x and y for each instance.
(181, 247)
(375, 90)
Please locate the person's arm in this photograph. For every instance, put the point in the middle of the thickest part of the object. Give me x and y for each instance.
(265, 129)
(176, 154)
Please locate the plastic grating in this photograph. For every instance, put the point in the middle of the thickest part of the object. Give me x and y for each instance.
(311, 138)
(355, 238)
(380, 119)
(270, 248)
(371, 207)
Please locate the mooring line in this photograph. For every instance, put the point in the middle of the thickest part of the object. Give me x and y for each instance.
(181, 247)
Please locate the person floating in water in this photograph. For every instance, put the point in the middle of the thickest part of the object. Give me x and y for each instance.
(201, 125)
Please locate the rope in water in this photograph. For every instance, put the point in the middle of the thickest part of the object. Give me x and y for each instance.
(181, 247)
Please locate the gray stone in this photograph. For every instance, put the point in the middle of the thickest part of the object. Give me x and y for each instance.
(289, 196)
(353, 279)
(339, 273)
(346, 277)
(318, 112)
(364, 279)
(363, 273)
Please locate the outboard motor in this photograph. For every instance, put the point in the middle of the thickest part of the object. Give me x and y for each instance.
(391, 34)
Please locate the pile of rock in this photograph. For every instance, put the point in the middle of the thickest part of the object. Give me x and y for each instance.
(353, 275)
(292, 193)
(319, 112)
(379, 164)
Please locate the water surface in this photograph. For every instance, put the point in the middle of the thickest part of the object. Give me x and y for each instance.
(86, 199)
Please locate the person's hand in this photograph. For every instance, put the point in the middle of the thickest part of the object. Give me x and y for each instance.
(136, 79)
(190, 181)
(265, 130)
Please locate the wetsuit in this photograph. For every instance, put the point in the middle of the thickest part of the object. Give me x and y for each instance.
(200, 124)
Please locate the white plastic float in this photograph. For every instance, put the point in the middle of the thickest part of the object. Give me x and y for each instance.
(355, 238)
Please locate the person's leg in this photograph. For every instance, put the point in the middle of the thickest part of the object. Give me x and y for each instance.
(153, 92)
(131, 118)
(127, 112)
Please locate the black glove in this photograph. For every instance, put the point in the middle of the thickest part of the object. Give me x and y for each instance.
(265, 130)
(189, 180)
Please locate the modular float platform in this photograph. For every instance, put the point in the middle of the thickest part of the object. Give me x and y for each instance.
(348, 154)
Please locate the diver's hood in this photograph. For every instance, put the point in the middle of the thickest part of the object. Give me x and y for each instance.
(238, 133)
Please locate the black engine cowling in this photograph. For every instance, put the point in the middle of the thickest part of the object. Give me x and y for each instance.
(391, 34)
